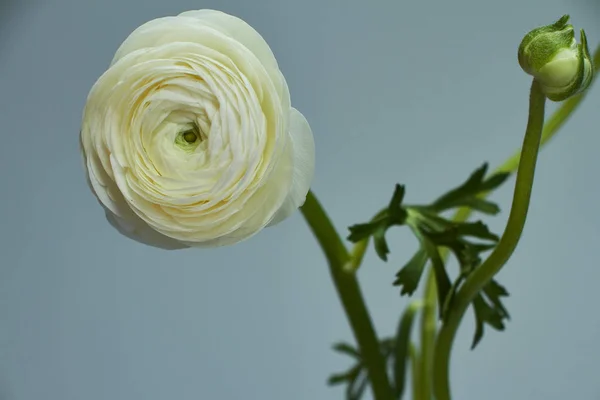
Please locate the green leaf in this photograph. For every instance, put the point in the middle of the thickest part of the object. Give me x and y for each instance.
(347, 349)
(469, 188)
(441, 276)
(348, 376)
(356, 378)
(381, 246)
(466, 195)
(402, 342)
(431, 220)
(356, 388)
(470, 229)
(410, 274)
(494, 181)
(359, 232)
(452, 293)
(484, 313)
(338, 379)
(476, 229)
(478, 204)
(396, 213)
(493, 291)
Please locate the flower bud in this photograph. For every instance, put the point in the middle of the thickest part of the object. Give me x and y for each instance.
(552, 56)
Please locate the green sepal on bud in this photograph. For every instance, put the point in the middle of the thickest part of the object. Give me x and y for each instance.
(552, 56)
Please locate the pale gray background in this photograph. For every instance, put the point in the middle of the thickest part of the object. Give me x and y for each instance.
(413, 92)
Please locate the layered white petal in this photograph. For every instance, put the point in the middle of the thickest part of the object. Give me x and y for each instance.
(250, 157)
(303, 145)
(118, 212)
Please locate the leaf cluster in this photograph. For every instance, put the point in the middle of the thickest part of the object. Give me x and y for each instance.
(436, 234)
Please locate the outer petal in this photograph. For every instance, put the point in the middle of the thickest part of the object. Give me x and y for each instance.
(240, 31)
(170, 29)
(118, 213)
(303, 148)
(126, 221)
(138, 230)
(236, 29)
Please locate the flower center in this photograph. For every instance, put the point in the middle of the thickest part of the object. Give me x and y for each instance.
(189, 139)
(190, 136)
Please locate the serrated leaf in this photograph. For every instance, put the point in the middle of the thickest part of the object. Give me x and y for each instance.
(396, 213)
(452, 293)
(410, 274)
(467, 256)
(484, 313)
(478, 335)
(356, 388)
(338, 379)
(359, 232)
(356, 377)
(467, 194)
(468, 189)
(494, 181)
(432, 220)
(497, 289)
(346, 349)
(482, 247)
(439, 270)
(476, 229)
(381, 246)
(393, 215)
(347, 376)
(402, 347)
(478, 204)
(493, 291)
(470, 229)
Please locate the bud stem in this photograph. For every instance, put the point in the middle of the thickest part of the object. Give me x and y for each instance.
(505, 248)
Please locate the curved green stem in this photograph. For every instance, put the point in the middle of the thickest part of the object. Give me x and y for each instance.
(505, 248)
(350, 295)
(551, 127)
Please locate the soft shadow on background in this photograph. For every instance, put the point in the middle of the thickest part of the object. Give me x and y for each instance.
(419, 93)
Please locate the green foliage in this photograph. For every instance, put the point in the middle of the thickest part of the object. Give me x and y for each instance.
(467, 242)
(402, 344)
(356, 377)
(394, 214)
(395, 352)
(466, 194)
(489, 309)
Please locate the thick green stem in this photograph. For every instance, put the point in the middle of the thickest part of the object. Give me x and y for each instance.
(350, 295)
(505, 248)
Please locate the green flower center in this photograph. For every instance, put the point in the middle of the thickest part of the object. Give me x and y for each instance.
(190, 136)
(189, 139)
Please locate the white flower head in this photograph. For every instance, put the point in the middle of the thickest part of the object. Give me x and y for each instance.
(189, 138)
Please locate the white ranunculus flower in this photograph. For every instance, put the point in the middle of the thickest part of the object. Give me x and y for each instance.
(189, 138)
